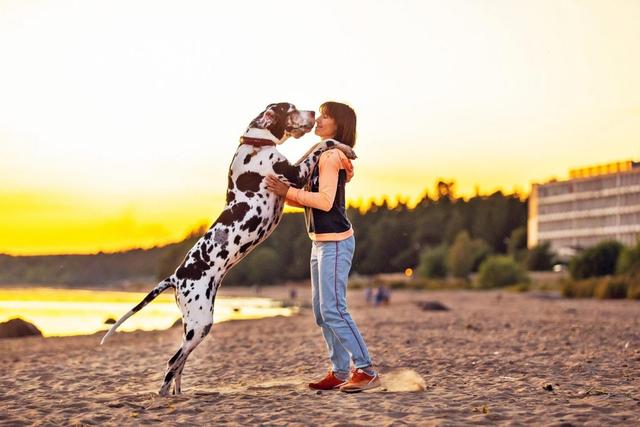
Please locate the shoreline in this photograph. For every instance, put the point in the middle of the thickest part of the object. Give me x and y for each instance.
(47, 308)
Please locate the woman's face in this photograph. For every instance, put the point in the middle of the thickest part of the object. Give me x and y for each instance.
(325, 126)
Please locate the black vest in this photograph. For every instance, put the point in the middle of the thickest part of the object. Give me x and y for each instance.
(333, 221)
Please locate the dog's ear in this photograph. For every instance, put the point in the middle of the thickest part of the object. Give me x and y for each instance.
(266, 119)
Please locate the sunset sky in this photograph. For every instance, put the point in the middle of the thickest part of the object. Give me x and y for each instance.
(118, 119)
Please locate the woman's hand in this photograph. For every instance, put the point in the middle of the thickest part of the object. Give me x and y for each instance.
(276, 186)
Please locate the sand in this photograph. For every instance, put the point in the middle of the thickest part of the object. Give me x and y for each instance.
(493, 358)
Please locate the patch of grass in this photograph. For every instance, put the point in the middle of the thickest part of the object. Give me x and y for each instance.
(611, 288)
(420, 283)
(579, 288)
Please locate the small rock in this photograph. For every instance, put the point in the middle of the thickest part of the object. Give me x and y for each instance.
(110, 321)
(16, 328)
(548, 387)
(432, 306)
(319, 392)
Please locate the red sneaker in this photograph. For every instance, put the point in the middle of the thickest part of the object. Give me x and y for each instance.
(329, 382)
(361, 381)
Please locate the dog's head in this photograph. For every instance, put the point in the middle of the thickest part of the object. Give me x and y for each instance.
(283, 120)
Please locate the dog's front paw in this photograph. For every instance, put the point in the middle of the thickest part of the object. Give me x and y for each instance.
(348, 151)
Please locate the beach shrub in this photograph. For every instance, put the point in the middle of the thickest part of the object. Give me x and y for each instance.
(611, 288)
(465, 254)
(433, 262)
(539, 257)
(599, 260)
(460, 256)
(629, 260)
(500, 271)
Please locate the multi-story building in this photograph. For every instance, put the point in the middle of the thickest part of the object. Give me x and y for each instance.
(594, 204)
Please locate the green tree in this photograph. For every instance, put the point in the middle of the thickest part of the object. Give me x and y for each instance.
(465, 254)
(517, 243)
(433, 262)
(599, 260)
(540, 257)
(499, 271)
(264, 266)
(629, 260)
(460, 257)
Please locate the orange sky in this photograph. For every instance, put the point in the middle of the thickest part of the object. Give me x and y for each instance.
(118, 119)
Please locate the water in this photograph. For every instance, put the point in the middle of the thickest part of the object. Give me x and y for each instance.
(64, 312)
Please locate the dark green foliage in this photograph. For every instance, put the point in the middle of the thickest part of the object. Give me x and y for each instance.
(599, 260)
(539, 258)
(517, 243)
(464, 254)
(629, 260)
(83, 270)
(264, 266)
(500, 271)
(433, 263)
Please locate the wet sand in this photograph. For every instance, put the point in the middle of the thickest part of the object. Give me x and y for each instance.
(493, 358)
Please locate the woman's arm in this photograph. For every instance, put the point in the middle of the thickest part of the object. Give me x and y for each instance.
(329, 168)
(293, 203)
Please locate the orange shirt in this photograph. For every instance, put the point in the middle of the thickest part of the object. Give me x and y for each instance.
(329, 165)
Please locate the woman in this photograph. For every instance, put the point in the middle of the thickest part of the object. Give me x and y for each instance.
(332, 251)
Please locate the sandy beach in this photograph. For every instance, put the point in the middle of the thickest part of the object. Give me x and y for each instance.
(493, 358)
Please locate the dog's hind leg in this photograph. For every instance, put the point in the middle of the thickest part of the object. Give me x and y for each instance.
(197, 323)
(177, 389)
(195, 334)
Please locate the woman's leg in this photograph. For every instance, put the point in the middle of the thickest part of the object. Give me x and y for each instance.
(337, 353)
(334, 263)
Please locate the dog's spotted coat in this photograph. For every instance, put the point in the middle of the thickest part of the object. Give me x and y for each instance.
(250, 215)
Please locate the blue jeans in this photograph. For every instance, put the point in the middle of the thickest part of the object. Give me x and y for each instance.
(330, 265)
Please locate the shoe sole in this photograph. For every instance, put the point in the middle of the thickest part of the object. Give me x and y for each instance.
(367, 387)
(328, 389)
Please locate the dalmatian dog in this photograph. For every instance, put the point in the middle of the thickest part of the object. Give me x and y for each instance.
(249, 217)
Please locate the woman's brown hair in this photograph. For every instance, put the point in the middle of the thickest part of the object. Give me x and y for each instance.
(345, 119)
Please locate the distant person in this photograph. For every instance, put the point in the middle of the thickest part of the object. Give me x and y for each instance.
(368, 295)
(382, 295)
(332, 252)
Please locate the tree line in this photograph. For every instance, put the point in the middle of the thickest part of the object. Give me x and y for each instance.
(388, 239)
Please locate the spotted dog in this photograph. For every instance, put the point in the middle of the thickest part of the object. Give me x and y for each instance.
(250, 215)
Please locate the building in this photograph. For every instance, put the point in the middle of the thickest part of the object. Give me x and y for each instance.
(594, 204)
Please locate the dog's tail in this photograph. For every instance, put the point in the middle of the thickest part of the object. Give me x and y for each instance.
(150, 297)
